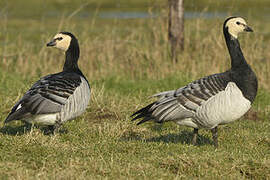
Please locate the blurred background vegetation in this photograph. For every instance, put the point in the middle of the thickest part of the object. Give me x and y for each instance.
(125, 56)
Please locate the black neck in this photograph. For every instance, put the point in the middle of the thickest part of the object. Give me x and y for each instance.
(72, 56)
(241, 73)
(237, 57)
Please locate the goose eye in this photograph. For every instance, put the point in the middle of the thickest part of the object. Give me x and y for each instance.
(59, 38)
(238, 23)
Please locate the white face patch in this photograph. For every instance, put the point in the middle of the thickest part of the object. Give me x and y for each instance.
(62, 41)
(235, 26)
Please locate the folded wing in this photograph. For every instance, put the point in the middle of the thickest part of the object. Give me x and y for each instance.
(46, 96)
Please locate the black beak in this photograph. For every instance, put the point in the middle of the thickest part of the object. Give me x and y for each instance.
(52, 43)
(248, 29)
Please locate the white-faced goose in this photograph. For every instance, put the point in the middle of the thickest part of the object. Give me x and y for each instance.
(56, 98)
(213, 100)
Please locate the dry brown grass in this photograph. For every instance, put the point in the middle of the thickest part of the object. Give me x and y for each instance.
(139, 49)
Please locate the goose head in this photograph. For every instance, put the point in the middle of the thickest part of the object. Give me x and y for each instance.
(68, 43)
(63, 41)
(236, 25)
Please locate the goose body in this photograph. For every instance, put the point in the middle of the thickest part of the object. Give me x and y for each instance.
(213, 100)
(56, 98)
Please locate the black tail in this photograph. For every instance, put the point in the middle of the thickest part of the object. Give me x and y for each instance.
(144, 113)
(16, 113)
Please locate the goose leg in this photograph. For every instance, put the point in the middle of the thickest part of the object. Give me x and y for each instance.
(51, 128)
(195, 135)
(56, 127)
(215, 136)
(28, 125)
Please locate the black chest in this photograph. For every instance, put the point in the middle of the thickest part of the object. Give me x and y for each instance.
(246, 81)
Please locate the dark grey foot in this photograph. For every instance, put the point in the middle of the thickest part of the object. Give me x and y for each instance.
(51, 129)
(215, 136)
(56, 128)
(195, 136)
(28, 125)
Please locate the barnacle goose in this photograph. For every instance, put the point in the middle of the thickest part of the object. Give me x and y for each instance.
(56, 98)
(213, 100)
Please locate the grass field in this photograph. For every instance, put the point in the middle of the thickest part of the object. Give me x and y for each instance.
(126, 61)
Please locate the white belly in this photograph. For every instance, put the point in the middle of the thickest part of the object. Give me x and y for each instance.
(187, 122)
(44, 119)
(227, 106)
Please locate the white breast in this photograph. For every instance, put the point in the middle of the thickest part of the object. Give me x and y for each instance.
(227, 106)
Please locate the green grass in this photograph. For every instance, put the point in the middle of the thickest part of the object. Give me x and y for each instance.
(104, 143)
(126, 61)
